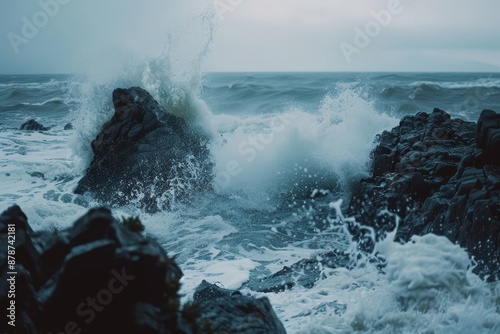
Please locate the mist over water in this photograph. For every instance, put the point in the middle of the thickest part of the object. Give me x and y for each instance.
(296, 150)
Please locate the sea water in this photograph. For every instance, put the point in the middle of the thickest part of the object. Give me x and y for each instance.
(286, 147)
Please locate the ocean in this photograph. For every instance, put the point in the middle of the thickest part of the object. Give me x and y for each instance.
(277, 141)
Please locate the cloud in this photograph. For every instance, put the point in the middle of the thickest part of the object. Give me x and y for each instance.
(282, 35)
(253, 35)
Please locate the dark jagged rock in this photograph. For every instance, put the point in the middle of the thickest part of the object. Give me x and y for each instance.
(226, 311)
(146, 154)
(27, 266)
(488, 135)
(439, 175)
(69, 126)
(96, 263)
(98, 276)
(33, 125)
(304, 273)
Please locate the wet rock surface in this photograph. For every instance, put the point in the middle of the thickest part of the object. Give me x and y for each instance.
(439, 175)
(228, 311)
(103, 276)
(33, 125)
(147, 155)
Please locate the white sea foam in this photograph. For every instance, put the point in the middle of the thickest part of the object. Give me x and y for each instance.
(32, 165)
(427, 287)
(290, 150)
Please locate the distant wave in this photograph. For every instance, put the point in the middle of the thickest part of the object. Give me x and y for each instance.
(53, 102)
(445, 91)
(486, 83)
(50, 101)
(261, 96)
(32, 85)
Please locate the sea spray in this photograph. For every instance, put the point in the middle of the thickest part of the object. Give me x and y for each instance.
(425, 267)
(257, 240)
(423, 286)
(173, 77)
(325, 148)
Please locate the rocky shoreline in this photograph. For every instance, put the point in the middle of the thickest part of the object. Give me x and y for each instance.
(430, 174)
(439, 175)
(102, 276)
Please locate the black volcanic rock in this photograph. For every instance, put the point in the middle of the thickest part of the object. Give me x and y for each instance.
(97, 258)
(33, 125)
(227, 311)
(488, 135)
(146, 154)
(439, 175)
(100, 277)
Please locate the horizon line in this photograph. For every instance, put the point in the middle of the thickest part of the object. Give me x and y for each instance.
(280, 72)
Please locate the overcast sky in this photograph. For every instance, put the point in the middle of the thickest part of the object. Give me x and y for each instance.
(251, 35)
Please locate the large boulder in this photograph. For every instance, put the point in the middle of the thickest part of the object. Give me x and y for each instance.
(103, 276)
(146, 155)
(228, 311)
(439, 175)
(94, 276)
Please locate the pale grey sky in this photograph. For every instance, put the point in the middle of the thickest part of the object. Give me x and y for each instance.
(70, 36)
